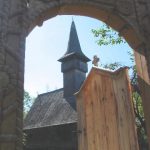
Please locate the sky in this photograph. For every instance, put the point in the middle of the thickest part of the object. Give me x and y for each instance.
(46, 44)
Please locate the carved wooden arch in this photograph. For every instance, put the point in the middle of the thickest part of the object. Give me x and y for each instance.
(20, 17)
(117, 15)
(120, 15)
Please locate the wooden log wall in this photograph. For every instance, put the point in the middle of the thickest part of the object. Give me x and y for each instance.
(105, 112)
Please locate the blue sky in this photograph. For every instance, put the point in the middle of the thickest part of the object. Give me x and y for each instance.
(46, 44)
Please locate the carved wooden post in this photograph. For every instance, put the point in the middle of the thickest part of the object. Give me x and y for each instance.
(142, 57)
(105, 112)
(12, 41)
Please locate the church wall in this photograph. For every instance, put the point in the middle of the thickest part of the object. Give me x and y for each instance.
(60, 137)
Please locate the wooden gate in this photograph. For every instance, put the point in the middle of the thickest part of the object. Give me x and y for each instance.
(105, 112)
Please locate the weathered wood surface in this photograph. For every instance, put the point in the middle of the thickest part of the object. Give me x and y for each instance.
(144, 84)
(105, 112)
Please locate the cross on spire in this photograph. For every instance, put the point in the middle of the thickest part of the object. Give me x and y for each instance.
(95, 60)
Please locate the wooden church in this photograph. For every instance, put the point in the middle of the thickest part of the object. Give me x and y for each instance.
(51, 123)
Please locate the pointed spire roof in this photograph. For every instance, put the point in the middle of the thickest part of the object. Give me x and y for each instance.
(74, 48)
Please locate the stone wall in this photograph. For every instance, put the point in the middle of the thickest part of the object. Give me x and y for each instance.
(131, 18)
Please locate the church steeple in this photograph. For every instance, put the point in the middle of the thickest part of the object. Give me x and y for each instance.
(74, 64)
(74, 48)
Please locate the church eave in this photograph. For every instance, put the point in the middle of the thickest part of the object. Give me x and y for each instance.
(70, 56)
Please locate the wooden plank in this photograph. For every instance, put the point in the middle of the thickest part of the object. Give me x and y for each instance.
(126, 121)
(110, 114)
(82, 132)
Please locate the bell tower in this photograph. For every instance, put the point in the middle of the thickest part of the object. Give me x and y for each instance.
(74, 65)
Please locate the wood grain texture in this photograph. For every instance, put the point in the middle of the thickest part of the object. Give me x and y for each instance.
(105, 112)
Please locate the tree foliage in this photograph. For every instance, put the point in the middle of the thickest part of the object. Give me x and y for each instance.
(28, 101)
(107, 36)
(112, 66)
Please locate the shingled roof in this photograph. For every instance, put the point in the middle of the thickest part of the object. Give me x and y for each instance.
(50, 109)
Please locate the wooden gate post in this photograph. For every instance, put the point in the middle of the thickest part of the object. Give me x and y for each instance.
(142, 58)
(106, 118)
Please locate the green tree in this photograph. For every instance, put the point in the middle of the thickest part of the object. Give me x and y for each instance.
(107, 36)
(28, 101)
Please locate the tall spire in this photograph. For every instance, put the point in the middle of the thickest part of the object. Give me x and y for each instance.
(74, 48)
(74, 66)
